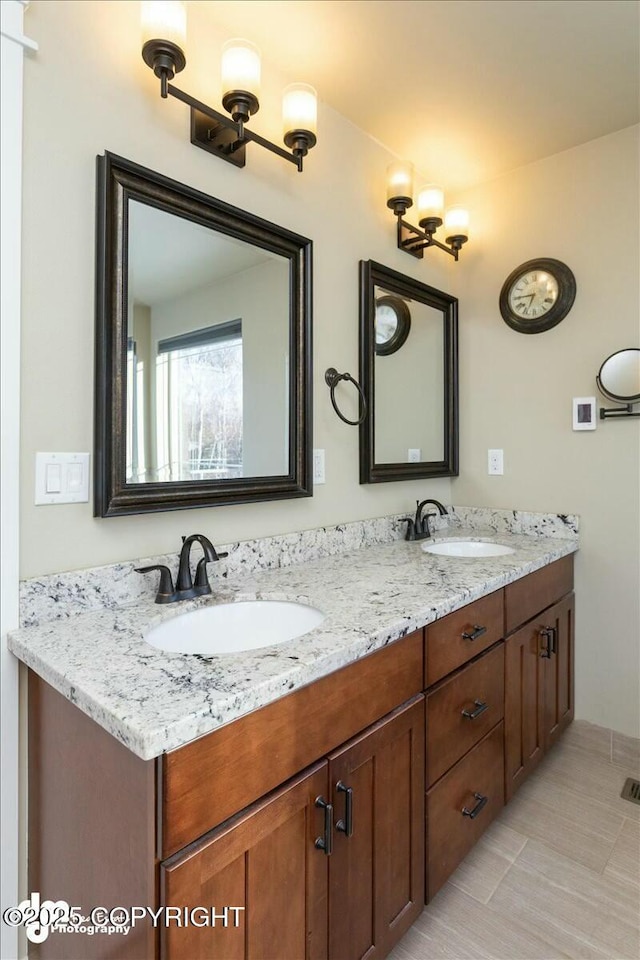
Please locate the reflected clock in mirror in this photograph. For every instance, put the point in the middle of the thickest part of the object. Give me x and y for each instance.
(202, 367)
(393, 323)
(411, 427)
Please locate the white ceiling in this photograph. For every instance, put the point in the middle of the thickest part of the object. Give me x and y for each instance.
(170, 256)
(465, 89)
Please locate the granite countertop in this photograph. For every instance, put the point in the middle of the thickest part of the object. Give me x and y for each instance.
(154, 702)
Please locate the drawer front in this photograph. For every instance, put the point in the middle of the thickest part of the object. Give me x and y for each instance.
(527, 597)
(214, 777)
(462, 635)
(462, 710)
(450, 833)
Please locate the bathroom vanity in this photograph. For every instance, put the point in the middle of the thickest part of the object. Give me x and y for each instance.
(330, 813)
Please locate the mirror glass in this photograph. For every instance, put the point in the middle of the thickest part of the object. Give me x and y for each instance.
(408, 371)
(409, 393)
(203, 333)
(207, 353)
(619, 375)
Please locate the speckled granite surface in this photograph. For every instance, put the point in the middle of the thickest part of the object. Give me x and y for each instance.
(154, 702)
(67, 594)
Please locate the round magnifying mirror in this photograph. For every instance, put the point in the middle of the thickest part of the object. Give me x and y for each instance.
(619, 375)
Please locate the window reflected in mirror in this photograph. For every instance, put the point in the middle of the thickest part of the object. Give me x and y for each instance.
(189, 385)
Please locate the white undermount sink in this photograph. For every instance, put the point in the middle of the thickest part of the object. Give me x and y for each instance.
(466, 548)
(228, 628)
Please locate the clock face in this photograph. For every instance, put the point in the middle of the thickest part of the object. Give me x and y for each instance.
(537, 295)
(533, 294)
(386, 323)
(392, 324)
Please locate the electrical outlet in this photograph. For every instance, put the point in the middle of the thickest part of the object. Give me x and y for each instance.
(318, 466)
(496, 463)
(414, 455)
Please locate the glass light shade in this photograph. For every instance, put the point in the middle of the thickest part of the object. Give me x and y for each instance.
(456, 222)
(399, 180)
(240, 67)
(299, 108)
(430, 202)
(164, 20)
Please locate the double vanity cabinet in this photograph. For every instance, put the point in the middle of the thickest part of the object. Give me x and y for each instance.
(329, 816)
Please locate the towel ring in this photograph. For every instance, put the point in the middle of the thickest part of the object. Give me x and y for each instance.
(332, 379)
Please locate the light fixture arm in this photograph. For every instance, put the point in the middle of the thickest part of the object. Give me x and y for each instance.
(225, 135)
(415, 241)
(215, 137)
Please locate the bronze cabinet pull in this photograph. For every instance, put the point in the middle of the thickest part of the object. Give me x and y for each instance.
(480, 708)
(346, 826)
(325, 842)
(480, 805)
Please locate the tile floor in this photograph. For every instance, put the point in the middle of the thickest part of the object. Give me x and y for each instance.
(557, 875)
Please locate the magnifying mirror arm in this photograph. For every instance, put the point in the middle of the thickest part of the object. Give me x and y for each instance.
(608, 413)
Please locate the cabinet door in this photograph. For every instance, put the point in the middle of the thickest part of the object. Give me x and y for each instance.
(523, 704)
(376, 874)
(539, 679)
(266, 861)
(559, 670)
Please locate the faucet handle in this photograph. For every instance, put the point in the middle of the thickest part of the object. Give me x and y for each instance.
(165, 590)
(411, 527)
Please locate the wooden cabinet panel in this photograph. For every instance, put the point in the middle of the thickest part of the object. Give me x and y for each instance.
(376, 876)
(539, 676)
(91, 826)
(559, 671)
(265, 861)
(523, 714)
(525, 598)
(448, 643)
(266, 747)
(451, 833)
(462, 710)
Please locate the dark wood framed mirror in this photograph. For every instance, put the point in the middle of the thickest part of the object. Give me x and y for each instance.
(203, 349)
(411, 427)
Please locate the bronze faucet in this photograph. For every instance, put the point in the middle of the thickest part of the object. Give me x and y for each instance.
(418, 528)
(185, 588)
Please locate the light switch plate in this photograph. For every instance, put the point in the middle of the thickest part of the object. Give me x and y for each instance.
(62, 478)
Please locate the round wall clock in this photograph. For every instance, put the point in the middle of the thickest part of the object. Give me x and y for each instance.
(537, 295)
(392, 324)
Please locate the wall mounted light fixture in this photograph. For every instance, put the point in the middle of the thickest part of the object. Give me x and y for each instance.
(164, 27)
(430, 203)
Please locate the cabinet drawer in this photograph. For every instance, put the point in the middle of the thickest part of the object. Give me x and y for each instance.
(457, 638)
(526, 597)
(211, 779)
(462, 710)
(450, 833)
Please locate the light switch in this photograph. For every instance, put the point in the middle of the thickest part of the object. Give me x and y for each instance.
(53, 478)
(74, 477)
(62, 478)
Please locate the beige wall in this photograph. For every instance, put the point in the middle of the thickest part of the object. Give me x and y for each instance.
(580, 207)
(88, 90)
